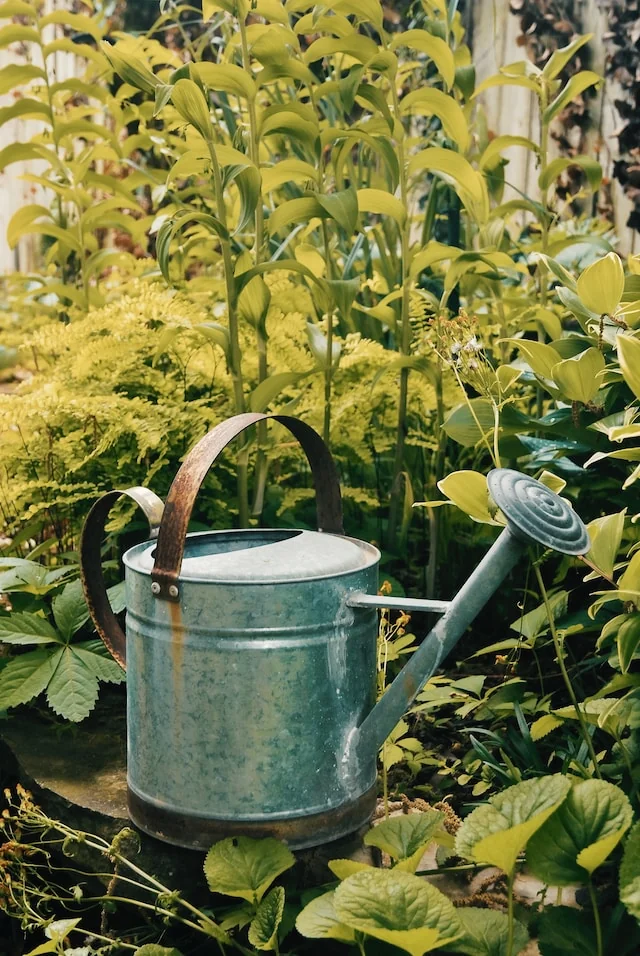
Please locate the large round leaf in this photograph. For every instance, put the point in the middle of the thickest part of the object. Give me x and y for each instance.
(398, 908)
(581, 835)
(500, 829)
(319, 920)
(240, 866)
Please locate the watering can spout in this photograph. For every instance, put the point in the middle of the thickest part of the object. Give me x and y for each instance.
(534, 515)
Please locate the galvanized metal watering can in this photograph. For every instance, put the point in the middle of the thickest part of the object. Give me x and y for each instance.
(251, 655)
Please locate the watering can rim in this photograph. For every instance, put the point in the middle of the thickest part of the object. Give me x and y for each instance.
(140, 558)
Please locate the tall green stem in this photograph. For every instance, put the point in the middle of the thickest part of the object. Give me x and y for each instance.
(235, 354)
(557, 643)
(328, 366)
(405, 324)
(596, 919)
(510, 917)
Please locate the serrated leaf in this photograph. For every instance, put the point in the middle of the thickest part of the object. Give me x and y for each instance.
(499, 830)
(319, 920)
(72, 691)
(240, 866)
(543, 726)
(397, 908)
(23, 628)
(630, 873)
(70, 609)
(579, 837)
(26, 676)
(405, 837)
(486, 933)
(97, 659)
(263, 931)
(600, 287)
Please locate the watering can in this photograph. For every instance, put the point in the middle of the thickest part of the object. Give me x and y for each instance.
(251, 654)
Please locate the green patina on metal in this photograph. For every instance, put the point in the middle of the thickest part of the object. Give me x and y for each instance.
(251, 655)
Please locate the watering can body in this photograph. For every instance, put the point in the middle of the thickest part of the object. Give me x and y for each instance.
(251, 655)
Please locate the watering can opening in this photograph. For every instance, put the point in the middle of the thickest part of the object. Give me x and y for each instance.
(268, 555)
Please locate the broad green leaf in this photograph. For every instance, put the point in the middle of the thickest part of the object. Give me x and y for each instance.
(17, 74)
(435, 48)
(493, 152)
(432, 102)
(344, 868)
(248, 182)
(72, 691)
(454, 168)
(467, 425)
(397, 908)
(498, 831)
(629, 357)
(73, 21)
(628, 639)
(254, 301)
(18, 8)
(26, 676)
(486, 933)
(630, 873)
(70, 609)
(188, 99)
(289, 170)
(536, 621)
(97, 659)
(225, 78)
(601, 285)
(541, 358)
(356, 45)
(318, 920)
(468, 490)
(22, 220)
(405, 837)
(592, 170)
(17, 33)
(605, 535)
(318, 343)
(576, 85)
(577, 377)
(21, 152)
(556, 484)
(22, 628)
(564, 931)
(240, 866)
(152, 949)
(264, 393)
(263, 931)
(579, 837)
(543, 726)
(130, 68)
(559, 58)
(506, 79)
(341, 206)
(295, 210)
(382, 203)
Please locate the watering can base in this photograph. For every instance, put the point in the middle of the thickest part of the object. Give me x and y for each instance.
(299, 833)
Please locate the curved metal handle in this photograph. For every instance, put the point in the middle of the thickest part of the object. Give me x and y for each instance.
(93, 585)
(186, 484)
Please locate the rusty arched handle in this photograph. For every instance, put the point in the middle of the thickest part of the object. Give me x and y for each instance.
(93, 584)
(186, 484)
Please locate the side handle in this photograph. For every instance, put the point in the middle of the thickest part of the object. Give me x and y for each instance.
(186, 484)
(93, 585)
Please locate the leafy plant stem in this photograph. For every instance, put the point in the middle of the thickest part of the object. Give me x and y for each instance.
(596, 918)
(235, 355)
(405, 326)
(557, 643)
(511, 922)
(328, 370)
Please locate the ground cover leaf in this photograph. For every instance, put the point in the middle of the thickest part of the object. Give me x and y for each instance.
(500, 829)
(264, 926)
(579, 837)
(486, 933)
(397, 908)
(240, 866)
(405, 837)
(319, 920)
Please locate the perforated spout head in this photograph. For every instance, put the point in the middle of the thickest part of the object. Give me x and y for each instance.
(536, 513)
